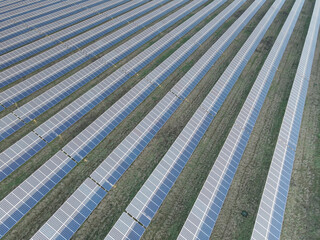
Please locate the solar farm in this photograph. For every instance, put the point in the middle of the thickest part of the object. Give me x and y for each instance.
(157, 119)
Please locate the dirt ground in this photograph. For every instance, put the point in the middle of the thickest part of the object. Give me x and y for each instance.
(302, 215)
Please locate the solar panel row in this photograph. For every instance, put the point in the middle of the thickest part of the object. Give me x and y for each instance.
(67, 33)
(17, 21)
(150, 197)
(87, 196)
(16, 72)
(206, 209)
(9, 124)
(272, 206)
(132, 223)
(59, 51)
(59, 122)
(148, 200)
(16, 155)
(17, 24)
(88, 139)
(125, 228)
(19, 9)
(31, 191)
(33, 18)
(35, 29)
(113, 167)
(39, 186)
(37, 81)
(6, 5)
(152, 122)
(40, 104)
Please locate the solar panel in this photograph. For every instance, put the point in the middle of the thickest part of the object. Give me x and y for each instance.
(6, 6)
(151, 195)
(149, 198)
(132, 223)
(17, 203)
(20, 38)
(159, 115)
(271, 211)
(18, 153)
(79, 148)
(112, 168)
(69, 217)
(17, 25)
(125, 228)
(89, 138)
(145, 85)
(37, 81)
(207, 207)
(21, 9)
(8, 125)
(84, 26)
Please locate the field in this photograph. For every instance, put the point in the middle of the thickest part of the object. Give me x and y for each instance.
(302, 215)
